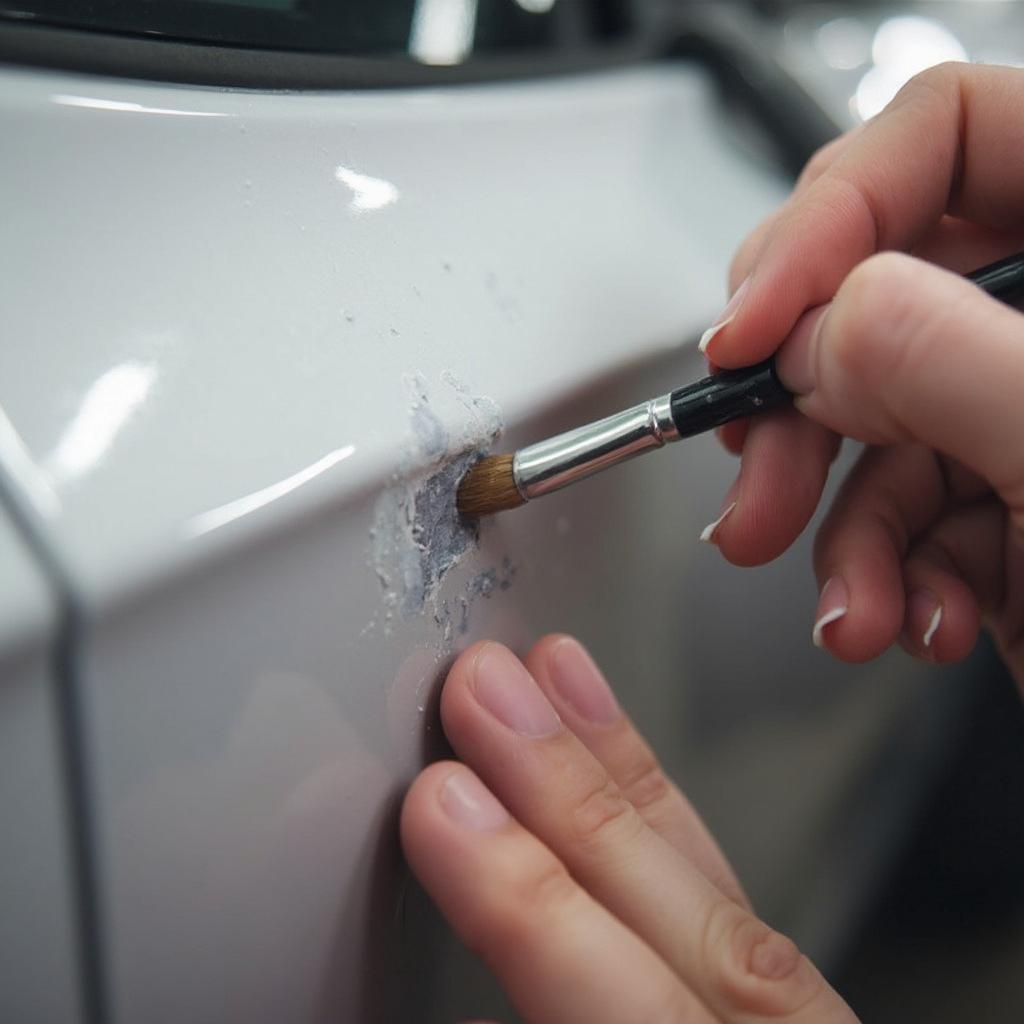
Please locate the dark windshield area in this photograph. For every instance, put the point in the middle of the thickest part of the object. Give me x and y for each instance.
(429, 31)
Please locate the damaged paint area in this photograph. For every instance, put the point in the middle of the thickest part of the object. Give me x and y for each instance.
(418, 534)
(453, 615)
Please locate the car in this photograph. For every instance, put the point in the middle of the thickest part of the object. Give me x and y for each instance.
(273, 276)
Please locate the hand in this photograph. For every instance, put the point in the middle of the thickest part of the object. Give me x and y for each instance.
(924, 540)
(562, 854)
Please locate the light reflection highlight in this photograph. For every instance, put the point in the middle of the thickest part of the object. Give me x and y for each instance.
(108, 405)
(224, 514)
(93, 103)
(903, 47)
(442, 31)
(844, 43)
(367, 193)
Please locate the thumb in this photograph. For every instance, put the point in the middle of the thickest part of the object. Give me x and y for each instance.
(906, 352)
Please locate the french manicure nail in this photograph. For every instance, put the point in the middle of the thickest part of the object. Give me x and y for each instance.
(727, 315)
(707, 535)
(581, 685)
(924, 607)
(833, 604)
(468, 801)
(508, 691)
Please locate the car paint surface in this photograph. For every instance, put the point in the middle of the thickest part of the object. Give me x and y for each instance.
(38, 931)
(253, 335)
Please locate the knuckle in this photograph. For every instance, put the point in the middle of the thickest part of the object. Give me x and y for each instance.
(645, 785)
(757, 969)
(604, 816)
(549, 887)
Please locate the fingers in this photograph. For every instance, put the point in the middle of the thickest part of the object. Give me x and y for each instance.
(909, 352)
(898, 557)
(500, 722)
(962, 246)
(580, 694)
(783, 470)
(942, 620)
(820, 162)
(891, 496)
(944, 145)
(560, 956)
(733, 435)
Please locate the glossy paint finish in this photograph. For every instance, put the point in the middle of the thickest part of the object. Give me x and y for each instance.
(239, 254)
(251, 333)
(38, 973)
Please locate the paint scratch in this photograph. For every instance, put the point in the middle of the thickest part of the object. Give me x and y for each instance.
(418, 535)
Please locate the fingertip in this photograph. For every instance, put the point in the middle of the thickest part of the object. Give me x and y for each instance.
(833, 604)
(785, 463)
(541, 650)
(942, 620)
(458, 684)
(859, 613)
(795, 362)
(419, 803)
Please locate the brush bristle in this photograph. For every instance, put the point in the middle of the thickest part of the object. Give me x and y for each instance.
(488, 487)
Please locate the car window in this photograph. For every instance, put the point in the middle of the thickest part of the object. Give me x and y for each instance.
(429, 31)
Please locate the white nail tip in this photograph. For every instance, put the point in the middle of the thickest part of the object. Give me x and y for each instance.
(933, 626)
(817, 634)
(705, 338)
(708, 533)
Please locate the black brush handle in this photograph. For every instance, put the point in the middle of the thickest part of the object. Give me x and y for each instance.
(731, 394)
(727, 395)
(1003, 280)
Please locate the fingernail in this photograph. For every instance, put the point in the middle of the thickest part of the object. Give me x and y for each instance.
(832, 604)
(796, 359)
(725, 316)
(774, 957)
(580, 684)
(468, 801)
(707, 535)
(924, 615)
(507, 691)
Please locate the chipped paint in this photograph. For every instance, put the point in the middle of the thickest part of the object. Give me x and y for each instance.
(418, 535)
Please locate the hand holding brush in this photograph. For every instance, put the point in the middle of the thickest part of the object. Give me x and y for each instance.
(897, 351)
(500, 482)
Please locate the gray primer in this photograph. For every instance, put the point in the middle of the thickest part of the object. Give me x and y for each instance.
(418, 534)
(482, 585)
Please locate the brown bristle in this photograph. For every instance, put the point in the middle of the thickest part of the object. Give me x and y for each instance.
(488, 487)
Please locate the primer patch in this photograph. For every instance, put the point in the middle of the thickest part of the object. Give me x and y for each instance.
(418, 535)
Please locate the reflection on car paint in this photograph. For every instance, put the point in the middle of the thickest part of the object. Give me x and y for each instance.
(367, 193)
(223, 514)
(123, 107)
(107, 406)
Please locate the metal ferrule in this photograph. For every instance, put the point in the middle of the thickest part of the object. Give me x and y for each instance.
(559, 461)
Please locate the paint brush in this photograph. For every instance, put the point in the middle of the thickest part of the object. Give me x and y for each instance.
(499, 482)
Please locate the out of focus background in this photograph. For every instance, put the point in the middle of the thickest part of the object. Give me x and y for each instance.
(272, 272)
